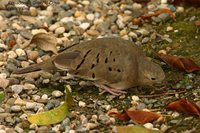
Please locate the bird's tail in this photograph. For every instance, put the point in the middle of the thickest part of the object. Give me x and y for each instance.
(46, 66)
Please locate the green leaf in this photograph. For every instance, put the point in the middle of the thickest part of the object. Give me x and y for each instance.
(2, 96)
(135, 129)
(55, 115)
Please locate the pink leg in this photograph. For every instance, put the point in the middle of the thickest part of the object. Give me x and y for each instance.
(112, 91)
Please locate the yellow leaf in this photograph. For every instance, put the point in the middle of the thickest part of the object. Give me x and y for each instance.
(53, 116)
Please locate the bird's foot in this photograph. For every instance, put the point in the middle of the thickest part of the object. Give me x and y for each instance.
(112, 91)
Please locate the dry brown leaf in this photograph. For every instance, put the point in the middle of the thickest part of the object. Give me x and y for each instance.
(142, 117)
(156, 13)
(195, 3)
(46, 42)
(184, 106)
(183, 64)
(138, 116)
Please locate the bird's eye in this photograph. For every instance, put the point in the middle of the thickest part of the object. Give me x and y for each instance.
(153, 78)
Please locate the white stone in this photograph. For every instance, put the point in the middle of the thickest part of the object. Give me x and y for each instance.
(60, 30)
(169, 28)
(85, 2)
(30, 105)
(136, 6)
(162, 51)
(163, 1)
(2, 131)
(37, 31)
(72, 131)
(16, 108)
(90, 16)
(3, 75)
(84, 26)
(135, 98)
(28, 86)
(67, 19)
(148, 125)
(11, 54)
(57, 93)
(175, 114)
(81, 104)
(54, 27)
(44, 97)
(17, 88)
(3, 46)
(35, 97)
(180, 9)
(20, 52)
(25, 64)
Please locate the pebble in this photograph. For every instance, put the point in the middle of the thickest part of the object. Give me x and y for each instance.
(53, 27)
(148, 125)
(90, 16)
(81, 104)
(15, 108)
(25, 64)
(60, 30)
(19, 129)
(180, 9)
(44, 97)
(30, 105)
(135, 98)
(92, 32)
(169, 28)
(90, 126)
(37, 31)
(33, 11)
(2, 131)
(57, 93)
(11, 54)
(145, 40)
(17, 88)
(4, 83)
(84, 26)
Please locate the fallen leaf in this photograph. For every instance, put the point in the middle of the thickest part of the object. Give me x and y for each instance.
(183, 64)
(142, 117)
(135, 129)
(184, 106)
(138, 116)
(121, 116)
(156, 13)
(2, 96)
(46, 42)
(55, 115)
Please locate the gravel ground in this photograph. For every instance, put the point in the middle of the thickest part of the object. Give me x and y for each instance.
(72, 21)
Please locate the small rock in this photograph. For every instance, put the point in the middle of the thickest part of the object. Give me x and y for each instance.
(81, 104)
(15, 108)
(162, 52)
(90, 16)
(145, 40)
(60, 30)
(19, 129)
(37, 31)
(33, 55)
(84, 26)
(33, 11)
(136, 6)
(4, 83)
(148, 125)
(35, 97)
(57, 93)
(92, 32)
(169, 28)
(30, 105)
(44, 97)
(135, 98)
(17, 88)
(2, 131)
(54, 27)
(25, 64)
(90, 126)
(180, 9)
(11, 54)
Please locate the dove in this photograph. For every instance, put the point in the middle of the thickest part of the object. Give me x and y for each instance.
(112, 64)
